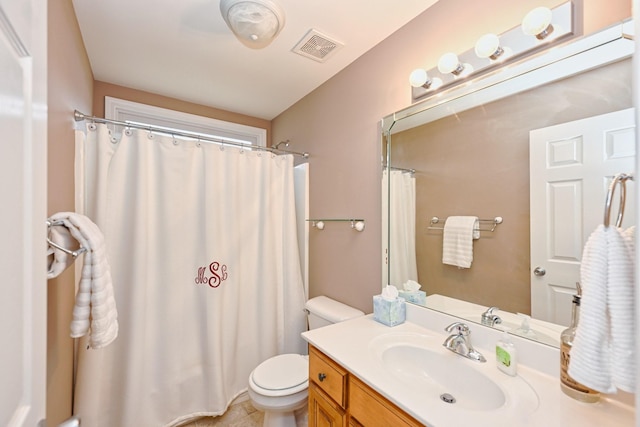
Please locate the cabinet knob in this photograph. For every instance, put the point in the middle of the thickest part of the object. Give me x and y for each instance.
(321, 376)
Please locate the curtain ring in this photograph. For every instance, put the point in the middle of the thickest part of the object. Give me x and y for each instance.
(128, 131)
(92, 126)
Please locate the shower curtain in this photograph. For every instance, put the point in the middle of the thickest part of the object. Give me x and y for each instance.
(399, 212)
(201, 241)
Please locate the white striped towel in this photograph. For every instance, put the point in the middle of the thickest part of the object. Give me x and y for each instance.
(457, 240)
(603, 353)
(590, 355)
(59, 261)
(621, 301)
(95, 306)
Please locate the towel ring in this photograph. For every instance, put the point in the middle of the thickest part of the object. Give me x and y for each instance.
(621, 179)
(75, 254)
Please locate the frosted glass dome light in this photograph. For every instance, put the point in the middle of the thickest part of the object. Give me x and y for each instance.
(256, 23)
(418, 77)
(488, 46)
(449, 63)
(538, 23)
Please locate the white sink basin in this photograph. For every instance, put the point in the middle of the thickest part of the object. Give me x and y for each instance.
(421, 364)
(426, 368)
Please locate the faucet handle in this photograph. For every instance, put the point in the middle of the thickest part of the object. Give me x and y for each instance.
(459, 327)
(490, 310)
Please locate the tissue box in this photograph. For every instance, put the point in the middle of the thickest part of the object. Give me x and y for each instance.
(390, 313)
(416, 297)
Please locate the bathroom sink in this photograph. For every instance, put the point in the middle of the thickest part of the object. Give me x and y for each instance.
(421, 364)
(427, 368)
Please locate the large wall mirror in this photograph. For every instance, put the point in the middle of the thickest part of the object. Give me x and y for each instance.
(536, 143)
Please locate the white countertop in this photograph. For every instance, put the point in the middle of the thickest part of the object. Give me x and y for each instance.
(349, 344)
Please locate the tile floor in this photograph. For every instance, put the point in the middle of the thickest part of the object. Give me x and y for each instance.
(242, 414)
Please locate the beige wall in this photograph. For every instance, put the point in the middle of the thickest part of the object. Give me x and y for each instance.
(339, 125)
(69, 87)
(477, 163)
(101, 89)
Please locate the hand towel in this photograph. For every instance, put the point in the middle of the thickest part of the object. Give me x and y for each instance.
(590, 355)
(603, 353)
(457, 240)
(95, 307)
(59, 261)
(621, 300)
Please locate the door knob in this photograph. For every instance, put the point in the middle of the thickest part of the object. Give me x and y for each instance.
(539, 271)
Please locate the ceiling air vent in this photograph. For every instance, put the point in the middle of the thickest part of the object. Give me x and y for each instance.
(316, 46)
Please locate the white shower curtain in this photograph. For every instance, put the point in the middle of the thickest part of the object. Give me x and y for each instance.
(399, 212)
(201, 240)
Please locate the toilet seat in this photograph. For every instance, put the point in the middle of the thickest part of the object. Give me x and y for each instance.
(281, 375)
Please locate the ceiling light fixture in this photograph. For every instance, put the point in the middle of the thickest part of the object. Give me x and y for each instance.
(256, 23)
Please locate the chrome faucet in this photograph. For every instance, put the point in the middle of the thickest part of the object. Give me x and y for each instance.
(489, 318)
(460, 342)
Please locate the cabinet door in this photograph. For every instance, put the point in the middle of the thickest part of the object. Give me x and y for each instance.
(354, 423)
(327, 374)
(323, 412)
(370, 409)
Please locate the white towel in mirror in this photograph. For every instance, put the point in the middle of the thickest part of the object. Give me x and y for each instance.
(457, 240)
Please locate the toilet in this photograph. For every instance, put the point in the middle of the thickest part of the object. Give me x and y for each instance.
(279, 385)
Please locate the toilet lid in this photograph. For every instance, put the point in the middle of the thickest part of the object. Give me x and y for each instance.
(282, 372)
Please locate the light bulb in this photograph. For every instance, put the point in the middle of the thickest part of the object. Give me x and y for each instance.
(449, 63)
(320, 225)
(488, 46)
(359, 226)
(418, 77)
(538, 23)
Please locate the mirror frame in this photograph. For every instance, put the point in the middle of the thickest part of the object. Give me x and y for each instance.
(570, 58)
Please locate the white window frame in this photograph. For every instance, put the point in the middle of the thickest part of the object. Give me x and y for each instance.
(122, 110)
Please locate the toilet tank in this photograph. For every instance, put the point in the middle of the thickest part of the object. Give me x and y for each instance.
(325, 311)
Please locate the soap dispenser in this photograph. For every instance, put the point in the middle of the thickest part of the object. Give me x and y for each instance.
(506, 355)
(525, 328)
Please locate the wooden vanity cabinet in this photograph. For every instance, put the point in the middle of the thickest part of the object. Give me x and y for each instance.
(324, 412)
(327, 391)
(370, 408)
(339, 399)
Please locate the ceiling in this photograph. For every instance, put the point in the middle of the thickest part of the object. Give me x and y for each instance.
(183, 48)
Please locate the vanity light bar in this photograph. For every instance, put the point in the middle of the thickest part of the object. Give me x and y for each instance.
(539, 30)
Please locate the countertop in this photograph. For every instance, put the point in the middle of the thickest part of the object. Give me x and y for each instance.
(349, 343)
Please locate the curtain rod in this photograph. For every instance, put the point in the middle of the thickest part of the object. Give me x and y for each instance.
(78, 117)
